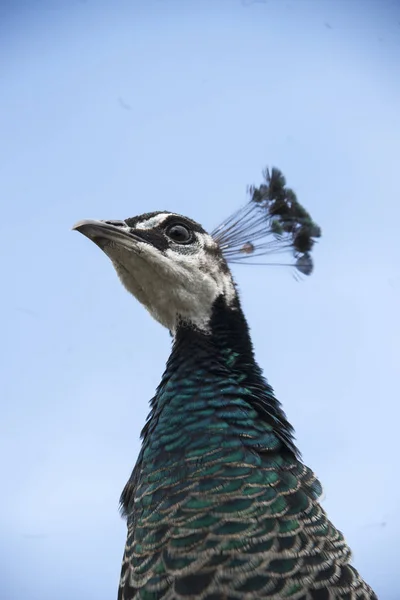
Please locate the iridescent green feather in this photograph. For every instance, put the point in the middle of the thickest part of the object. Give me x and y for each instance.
(220, 505)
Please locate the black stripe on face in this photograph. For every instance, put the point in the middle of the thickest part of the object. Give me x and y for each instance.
(156, 235)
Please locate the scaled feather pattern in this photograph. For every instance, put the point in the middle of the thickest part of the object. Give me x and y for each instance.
(220, 506)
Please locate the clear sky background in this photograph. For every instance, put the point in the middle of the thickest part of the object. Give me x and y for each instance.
(111, 109)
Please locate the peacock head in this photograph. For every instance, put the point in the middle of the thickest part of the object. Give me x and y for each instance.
(168, 262)
(177, 270)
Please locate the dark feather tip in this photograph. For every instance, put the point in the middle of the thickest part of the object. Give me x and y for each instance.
(273, 221)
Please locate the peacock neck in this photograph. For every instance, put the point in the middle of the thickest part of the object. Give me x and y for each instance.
(226, 346)
(213, 377)
(212, 406)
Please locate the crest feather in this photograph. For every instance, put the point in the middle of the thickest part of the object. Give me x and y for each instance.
(272, 222)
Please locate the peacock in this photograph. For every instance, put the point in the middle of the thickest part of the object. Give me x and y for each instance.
(220, 505)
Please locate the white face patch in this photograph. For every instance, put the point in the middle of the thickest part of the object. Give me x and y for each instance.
(177, 278)
(194, 282)
(175, 285)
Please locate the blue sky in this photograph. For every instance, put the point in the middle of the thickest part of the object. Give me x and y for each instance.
(111, 109)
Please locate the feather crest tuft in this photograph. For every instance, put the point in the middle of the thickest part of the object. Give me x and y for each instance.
(273, 221)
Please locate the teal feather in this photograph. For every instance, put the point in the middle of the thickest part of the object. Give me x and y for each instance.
(219, 505)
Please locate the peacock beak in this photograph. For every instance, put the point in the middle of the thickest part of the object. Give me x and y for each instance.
(105, 232)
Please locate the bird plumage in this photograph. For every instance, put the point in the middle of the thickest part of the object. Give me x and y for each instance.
(219, 505)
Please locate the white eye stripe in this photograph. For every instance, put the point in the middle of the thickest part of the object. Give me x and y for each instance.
(153, 221)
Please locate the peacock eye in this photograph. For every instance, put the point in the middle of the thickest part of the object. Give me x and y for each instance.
(180, 234)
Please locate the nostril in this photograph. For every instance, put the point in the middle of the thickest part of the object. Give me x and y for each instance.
(116, 223)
